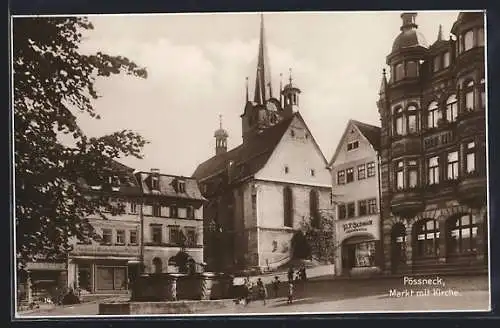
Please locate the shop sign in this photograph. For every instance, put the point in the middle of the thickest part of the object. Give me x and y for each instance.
(357, 226)
(45, 266)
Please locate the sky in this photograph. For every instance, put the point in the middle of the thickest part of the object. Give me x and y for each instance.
(197, 65)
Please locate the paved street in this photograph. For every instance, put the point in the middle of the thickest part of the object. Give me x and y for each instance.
(363, 295)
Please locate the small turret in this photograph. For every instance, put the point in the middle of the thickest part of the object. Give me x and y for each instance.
(290, 96)
(220, 136)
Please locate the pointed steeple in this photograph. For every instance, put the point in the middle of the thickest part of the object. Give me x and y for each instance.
(440, 33)
(246, 88)
(263, 77)
(383, 84)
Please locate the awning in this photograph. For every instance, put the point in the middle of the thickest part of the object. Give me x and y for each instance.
(358, 239)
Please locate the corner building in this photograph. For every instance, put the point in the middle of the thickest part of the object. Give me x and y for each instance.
(433, 150)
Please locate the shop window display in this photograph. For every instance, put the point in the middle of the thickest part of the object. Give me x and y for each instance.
(364, 254)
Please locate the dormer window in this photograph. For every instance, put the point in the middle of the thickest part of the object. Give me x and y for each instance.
(155, 183)
(437, 63)
(480, 37)
(468, 40)
(411, 69)
(352, 145)
(399, 72)
(446, 59)
(182, 186)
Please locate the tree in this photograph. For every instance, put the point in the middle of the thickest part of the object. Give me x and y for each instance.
(52, 81)
(320, 236)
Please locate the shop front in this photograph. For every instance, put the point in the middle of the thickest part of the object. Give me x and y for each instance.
(359, 250)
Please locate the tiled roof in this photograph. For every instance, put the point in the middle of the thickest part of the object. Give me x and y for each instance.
(168, 186)
(371, 132)
(126, 185)
(249, 157)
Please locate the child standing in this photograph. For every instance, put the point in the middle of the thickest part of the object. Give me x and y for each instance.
(276, 286)
(291, 290)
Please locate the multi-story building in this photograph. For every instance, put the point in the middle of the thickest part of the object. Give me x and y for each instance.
(172, 212)
(260, 192)
(355, 181)
(433, 149)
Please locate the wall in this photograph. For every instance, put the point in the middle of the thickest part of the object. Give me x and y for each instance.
(165, 253)
(270, 216)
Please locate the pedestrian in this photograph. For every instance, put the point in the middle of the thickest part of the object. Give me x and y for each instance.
(261, 290)
(276, 286)
(290, 274)
(291, 290)
(303, 273)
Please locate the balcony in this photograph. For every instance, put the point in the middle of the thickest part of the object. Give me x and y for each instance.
(407, 202)
(472, 189)
(471, 123)
(106, 250)
(406, 145)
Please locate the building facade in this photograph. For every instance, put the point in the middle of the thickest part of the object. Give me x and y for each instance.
(355, 179)
(172, 221)
(261, 192)
(433, 149)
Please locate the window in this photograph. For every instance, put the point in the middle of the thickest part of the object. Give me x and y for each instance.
(446, 59)
(452, 165)
(190, 237)
(182, 213)
(342, 209)
(288, 207)
(399, 175)
(412, 123)
(341, 177)
(156, 233)
(361, 171)
(286, 170)
(292, 133)
(120, 237)
(433, 115)
(157, 210)
(412, 174)
(352, 145)
(107, 236)
(174, 212)
(480, 37)
(372, 206)
(362, 207)
(427, 239)
(398, 121)
(364, 254)
(399, 72)
(133, 207)
(483, 94)
(174, 235)
(463, 235)
(182, 186)
(313, 173)
(469, 96)
(254, 202)
(157, 264)
(412, 69)
(351, 210)
(433, 165)
(133, 237)
(470, 157)
(350, 174)
(313, 208)
(370, 168)
(451, 108)
(155, 185)
(468, 40)
(437, 63)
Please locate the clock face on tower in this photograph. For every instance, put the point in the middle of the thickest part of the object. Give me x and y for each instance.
(271, 106)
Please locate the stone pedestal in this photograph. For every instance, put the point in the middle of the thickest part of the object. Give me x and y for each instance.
(207, 282)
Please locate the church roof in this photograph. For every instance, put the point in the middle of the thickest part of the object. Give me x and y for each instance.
(249, 157)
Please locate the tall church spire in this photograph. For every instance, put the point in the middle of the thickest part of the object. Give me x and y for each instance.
(263, 77)
(440, 33)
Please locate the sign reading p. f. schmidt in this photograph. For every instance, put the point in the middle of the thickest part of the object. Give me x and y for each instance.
(357, 226)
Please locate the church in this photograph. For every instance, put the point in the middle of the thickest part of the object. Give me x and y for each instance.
(262, 191)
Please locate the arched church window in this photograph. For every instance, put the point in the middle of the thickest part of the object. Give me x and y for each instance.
(287, 207)
(313, 208)
(451, 108)
(427, 235)
(462, 237)
(433, 115)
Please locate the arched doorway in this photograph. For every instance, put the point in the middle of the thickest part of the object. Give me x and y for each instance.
(157, 265)
(300, 247)
(398, 247)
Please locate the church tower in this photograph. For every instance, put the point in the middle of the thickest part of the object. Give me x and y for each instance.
(220, 136)
(265, 110)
